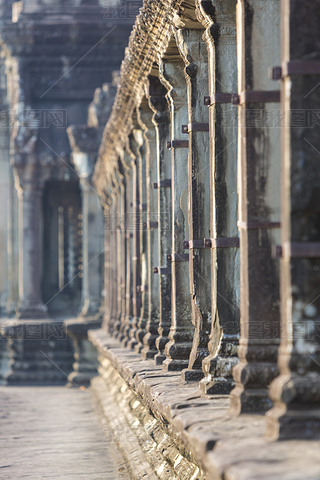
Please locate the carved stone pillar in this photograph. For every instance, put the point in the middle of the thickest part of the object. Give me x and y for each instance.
(133, 272)
(92, 250)
(137, 226)
(85, 143)
(162, 183)
(296, 392)
(220, 38)
(85, 355)
(144, 185)
(259, 204)
(13, 248)
(153, 283)
(109, 223)
(30, 245)
(7, 273)
(107, 265)
(129, 159)
(115, 270)
(181, 332)
(121, 260)
(194, 55)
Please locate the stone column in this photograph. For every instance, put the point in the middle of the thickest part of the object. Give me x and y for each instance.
(153, 283)
(259, 204)
(143, 288)
(162, 183)
(181, 332)
(114, 283)
(107, 264)
(220, 38)
(30, 245)
(6, 260)
(129, 309)
(13, 248)
(133, 273)
(121, 261)
(8, 257)
(125, 234)
(296, 392)
(92, 250)
(194, 54)
(137, 225)
(85, 142)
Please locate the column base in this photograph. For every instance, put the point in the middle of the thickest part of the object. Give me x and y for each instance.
(159, 358)
(216, 385)
(251, 393)
(148, 354)
(174, 365)
(189, 375)
(283, 424)
(32, 312)
(296, 411)
(177, 352)
(138, 348)
(253, 400)
(124, 336)
(149, 349)
(85, 355)
(218, 372)
(117, 327)
(161, 343)
(132, 343)
(4, 358)
(140, 336)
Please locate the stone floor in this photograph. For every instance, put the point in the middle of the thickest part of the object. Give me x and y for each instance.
(54, 433)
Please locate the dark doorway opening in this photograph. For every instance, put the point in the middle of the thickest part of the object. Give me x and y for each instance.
(62, 263)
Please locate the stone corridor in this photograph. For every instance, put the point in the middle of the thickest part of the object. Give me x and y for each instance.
(160, 239)
(54, 433)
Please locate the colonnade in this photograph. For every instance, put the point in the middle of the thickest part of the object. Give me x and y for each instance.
(198, 207)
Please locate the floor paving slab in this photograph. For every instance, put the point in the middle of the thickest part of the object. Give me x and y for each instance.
(54, 433)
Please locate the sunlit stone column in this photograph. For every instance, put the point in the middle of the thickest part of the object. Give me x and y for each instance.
(162, 184)
(220, 38)
(194, 54)
(296, 392)
(152, 219)
(129, 160)
(121, 250)
(106, 203)
(259, 203)
(181, 332)
(85, 143)
(137, 225)
(144, 183)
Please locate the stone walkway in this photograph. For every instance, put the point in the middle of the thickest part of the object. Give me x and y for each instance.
(54, 433)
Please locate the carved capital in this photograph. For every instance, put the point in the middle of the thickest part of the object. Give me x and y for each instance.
(145, 117)
(156, 95)
(101, 106)
(84, 139)
(219, 19)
